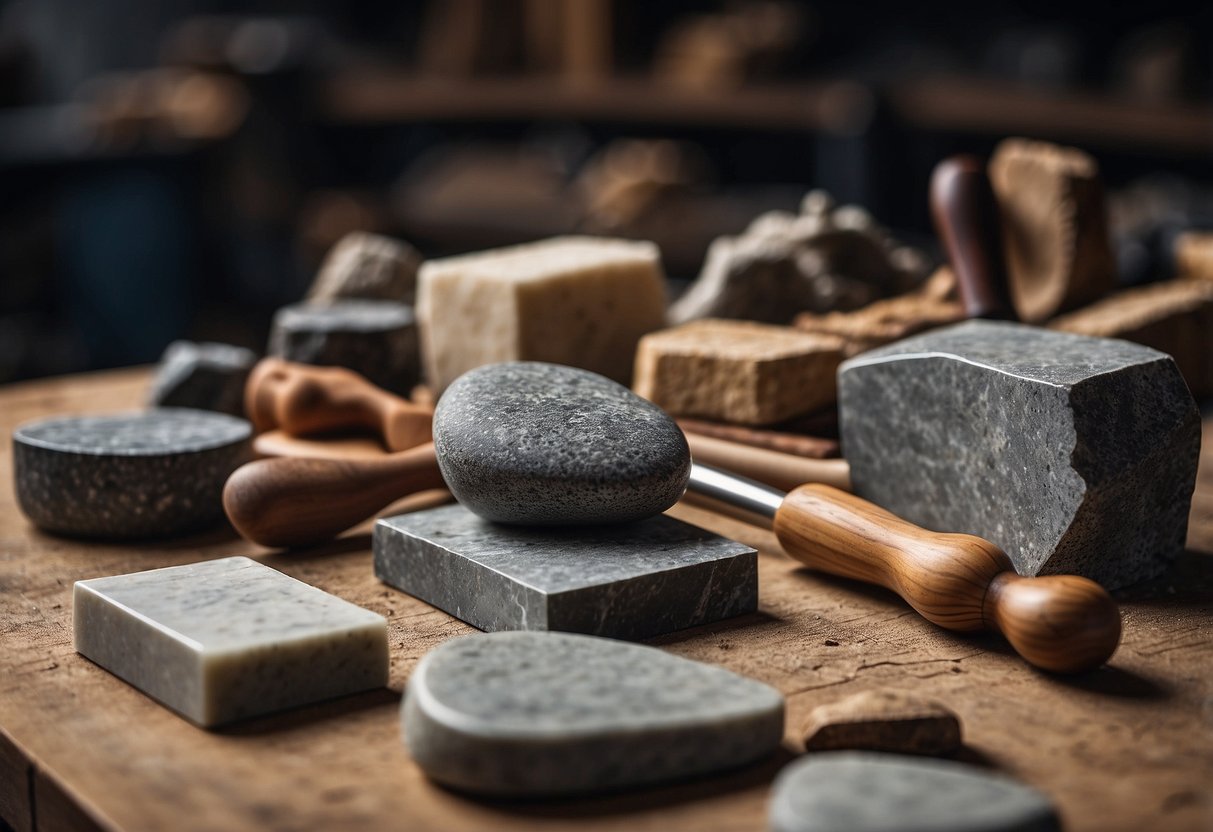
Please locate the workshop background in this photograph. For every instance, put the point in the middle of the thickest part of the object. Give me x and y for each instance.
(179, 168)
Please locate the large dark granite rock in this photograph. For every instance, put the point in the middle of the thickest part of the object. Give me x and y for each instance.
(128, 475)
(542, 714)
(1074, 454)
(632, 580)
(543, 444)
(204, 376)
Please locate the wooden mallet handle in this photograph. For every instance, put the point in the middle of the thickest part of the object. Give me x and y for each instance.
(1062, 623)
(301, 400)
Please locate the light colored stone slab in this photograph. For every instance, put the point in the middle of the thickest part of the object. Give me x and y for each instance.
(227, 639)
(539, 714)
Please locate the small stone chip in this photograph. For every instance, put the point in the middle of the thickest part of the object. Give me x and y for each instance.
(368, 266)
(205, 376)
(738, 371)
(884, 721)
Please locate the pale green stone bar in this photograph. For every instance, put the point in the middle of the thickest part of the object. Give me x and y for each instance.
(228, 639)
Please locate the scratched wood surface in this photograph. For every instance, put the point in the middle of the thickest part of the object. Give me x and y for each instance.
(1127, 747)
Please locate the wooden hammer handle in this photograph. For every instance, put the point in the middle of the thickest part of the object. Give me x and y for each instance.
(774, 468)
(1062, 623)
(300, 400)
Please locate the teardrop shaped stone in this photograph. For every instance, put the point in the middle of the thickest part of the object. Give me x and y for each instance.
(536, 714)
(543, 444)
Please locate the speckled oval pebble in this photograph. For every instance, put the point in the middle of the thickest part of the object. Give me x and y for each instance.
(128, 475)
(541, 714)
(870, 792)
(542, 444)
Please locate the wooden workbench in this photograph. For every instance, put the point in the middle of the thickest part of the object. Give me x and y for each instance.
(1127, 747)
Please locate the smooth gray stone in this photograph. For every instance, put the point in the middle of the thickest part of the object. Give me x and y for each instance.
(204, 376)
(155, 473)
(228, 639)
(545, 714)
(376, 338)
(543, 444)
(848, 791)
(632, 580)
(1074, 454)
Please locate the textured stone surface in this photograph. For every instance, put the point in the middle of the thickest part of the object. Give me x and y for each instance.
(127, 475)
(534, 443)
(884, 720)
(1074, 454)
(205, 376)
(227, 639)
(376, 338)
(737, 371)
(583, 301)
(368, 266)
(858, 792)
(530, 714)
(632, 580)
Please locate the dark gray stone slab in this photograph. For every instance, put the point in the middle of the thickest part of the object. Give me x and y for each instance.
(377, 338)
(129, 475)
(1074, 454)
(204, 376)
(544, 444)
(632, 580)
(541, 714)
(869, 792)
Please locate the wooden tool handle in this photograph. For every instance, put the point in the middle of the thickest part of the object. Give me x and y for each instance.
(1062, 623)
(966, 218)
(776, 469)
(296, 501)
(300, 400)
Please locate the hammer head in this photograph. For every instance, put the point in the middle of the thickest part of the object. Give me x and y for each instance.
(1074, 454)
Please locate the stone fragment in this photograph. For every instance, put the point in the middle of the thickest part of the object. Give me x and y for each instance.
(376, 338)
(129, 475)
(1175, 317)
(368, 266)
(534, 443)
(1074, 454)
(631, 580)
(583, 301)
(1194, 255)
(1055, 227)
(228, 639)
(884, 720)
(546, 714)
(737, 371)
(866, 792)
(204, 376)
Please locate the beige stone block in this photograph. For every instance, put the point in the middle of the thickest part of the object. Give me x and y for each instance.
(1194, 254)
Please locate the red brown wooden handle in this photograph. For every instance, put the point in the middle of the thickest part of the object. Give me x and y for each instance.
(1062, 623)
(776, 469)
(301, 400)
(294, 501)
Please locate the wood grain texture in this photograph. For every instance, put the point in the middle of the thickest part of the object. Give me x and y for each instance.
(1127, 747)
(786, 442)
(779, 470)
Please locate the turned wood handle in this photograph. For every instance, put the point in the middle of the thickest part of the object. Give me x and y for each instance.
(301, 399)
(296, 501)
(776, 469)
(1062, 623)
(966, 218)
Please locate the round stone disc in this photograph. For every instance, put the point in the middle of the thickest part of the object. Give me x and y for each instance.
(128, 475)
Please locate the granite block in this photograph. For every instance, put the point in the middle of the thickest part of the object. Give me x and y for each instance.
(228, 639)
(543, 714)
(1074, 454)
(630, 581)
(205, 376)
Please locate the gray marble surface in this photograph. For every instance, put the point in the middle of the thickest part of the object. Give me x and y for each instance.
(155, 473)
(543, 714)
(632, 580)
(205, 376)
(1074, 454)
(543, 444)
(847, 791)
(227, 639)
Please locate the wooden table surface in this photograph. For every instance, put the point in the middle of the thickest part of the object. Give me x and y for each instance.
(1129, 746)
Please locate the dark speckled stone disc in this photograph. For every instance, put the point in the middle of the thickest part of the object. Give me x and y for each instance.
(127, 475)
(542, 444)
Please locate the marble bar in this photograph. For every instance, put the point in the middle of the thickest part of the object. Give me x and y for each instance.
(629, 581)
(228, 639)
